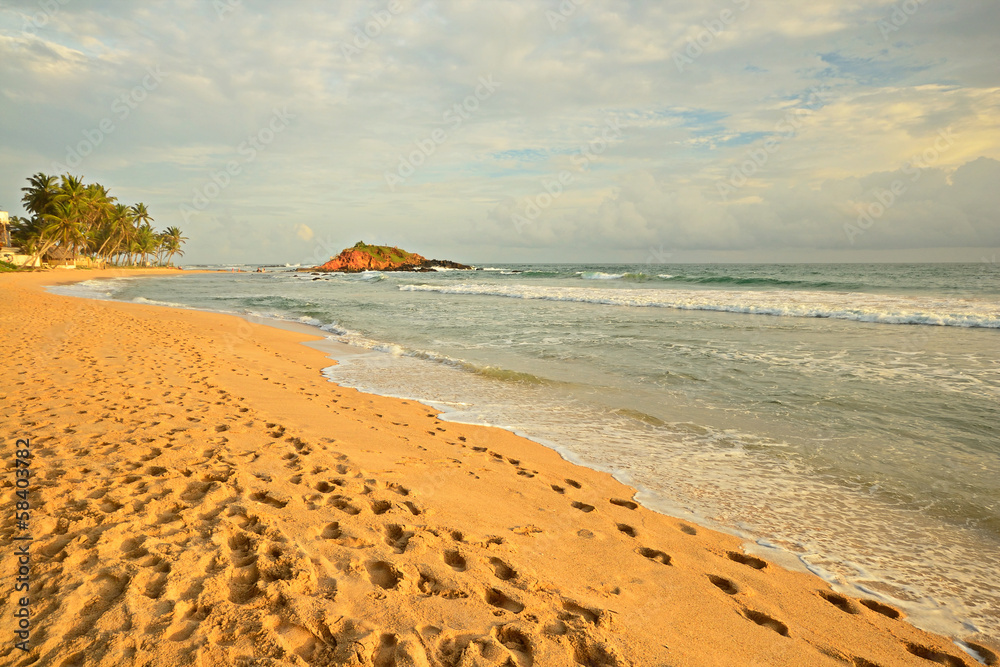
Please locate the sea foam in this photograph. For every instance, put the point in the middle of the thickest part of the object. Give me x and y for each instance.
(857, 306)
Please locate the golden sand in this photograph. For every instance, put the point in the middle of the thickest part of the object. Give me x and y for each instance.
(203, 496)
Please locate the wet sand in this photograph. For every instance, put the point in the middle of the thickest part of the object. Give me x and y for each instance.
(201, 495)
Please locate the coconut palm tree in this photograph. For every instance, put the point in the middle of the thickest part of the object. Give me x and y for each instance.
(145, 243)
(141, 214)
(25, 232)
(62, 228)
(39, 194)
(173, 241)
(116, 230)
(73, 215)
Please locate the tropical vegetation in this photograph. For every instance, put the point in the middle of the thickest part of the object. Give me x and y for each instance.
(87, 220)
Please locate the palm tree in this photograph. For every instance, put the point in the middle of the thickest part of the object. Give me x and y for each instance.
(63, 228)
(141, 214)
(39, 195)
(25, 231)
(73, 215)
(117, 230)
(173, 241)
(61, 210)
(98, 214)
(145, 243)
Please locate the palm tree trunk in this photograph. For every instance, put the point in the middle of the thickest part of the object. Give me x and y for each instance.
(42, 249)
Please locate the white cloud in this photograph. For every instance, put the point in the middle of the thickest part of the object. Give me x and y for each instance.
(880, 103)
(304, 232)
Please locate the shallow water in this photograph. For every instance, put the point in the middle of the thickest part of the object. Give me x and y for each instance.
(845, 414)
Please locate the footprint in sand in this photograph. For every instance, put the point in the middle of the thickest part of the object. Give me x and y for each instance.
(242, 548)
(397, 538)
(268, 499)
(883, 609)
(589, 615)
(502, 571)
(627, 504)
(344, 505)
(727, 586)
(430, 586)
(934, 656)
(501, 600)
(744, 559)
(295, 639)
(196, 491)
(243, 585)
(862, 662)
(839, 601)
(401, 490)
(766, 621)
(155, 452)
(155, 582)
(627, 529)
(655, 555)
(75, 660)
(455, 560)
(332, 531)
(108, 587)
(381, 506)
(988, 657)
(383, 574)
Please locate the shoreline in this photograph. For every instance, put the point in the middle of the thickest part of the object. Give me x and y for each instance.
(337, 351)
(553, 550)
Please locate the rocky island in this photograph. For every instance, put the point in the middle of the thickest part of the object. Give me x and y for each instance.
(364, 257)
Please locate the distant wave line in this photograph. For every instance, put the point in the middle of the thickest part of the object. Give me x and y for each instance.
(881, 309)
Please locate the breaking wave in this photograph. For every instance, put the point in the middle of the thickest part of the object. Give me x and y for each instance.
(877, 308)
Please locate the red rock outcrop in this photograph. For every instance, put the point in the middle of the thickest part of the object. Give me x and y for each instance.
(363, 257)
(351, 260)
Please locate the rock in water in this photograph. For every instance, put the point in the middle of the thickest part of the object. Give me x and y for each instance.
(364, 257)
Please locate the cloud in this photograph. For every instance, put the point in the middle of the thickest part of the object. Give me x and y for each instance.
(304, 232)
(844, 102)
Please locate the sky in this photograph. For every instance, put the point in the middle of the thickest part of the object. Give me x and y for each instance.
(520, 130)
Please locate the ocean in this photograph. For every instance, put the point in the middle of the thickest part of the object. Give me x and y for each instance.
(842, 418)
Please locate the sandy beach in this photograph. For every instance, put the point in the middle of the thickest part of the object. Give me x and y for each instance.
(201, 495)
